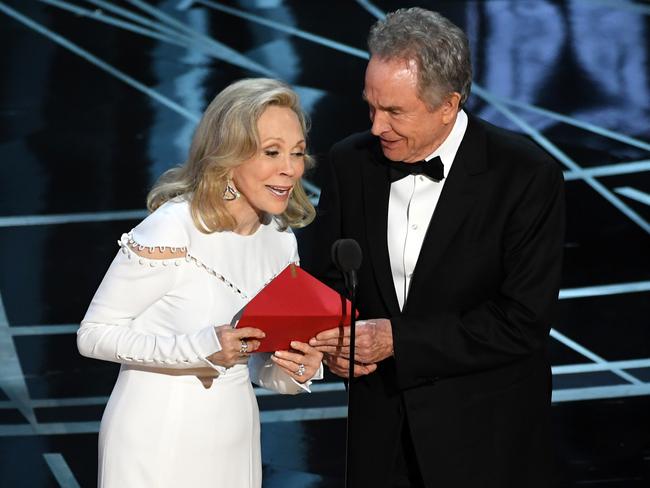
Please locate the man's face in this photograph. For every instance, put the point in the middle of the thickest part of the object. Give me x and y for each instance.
(409, 130)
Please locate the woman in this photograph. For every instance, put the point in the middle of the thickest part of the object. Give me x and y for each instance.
(183, 411)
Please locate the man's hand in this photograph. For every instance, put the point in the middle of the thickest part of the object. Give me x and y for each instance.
(341, 366)
(374, 341)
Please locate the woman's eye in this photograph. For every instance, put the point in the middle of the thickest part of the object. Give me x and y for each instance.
(298, 154)
(271, 152)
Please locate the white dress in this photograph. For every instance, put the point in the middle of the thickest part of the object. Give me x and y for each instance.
(174, 419)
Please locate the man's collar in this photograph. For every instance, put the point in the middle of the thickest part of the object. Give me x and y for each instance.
(449, 147)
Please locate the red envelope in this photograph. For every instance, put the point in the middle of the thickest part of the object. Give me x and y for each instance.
(295, 306)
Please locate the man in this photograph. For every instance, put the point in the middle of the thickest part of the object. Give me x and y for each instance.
(460, 277)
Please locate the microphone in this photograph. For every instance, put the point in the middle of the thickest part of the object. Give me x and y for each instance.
(347, 257)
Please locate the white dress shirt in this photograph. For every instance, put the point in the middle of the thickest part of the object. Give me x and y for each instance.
(412, 202)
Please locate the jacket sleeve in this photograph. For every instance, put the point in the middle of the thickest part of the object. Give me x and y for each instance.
(514, 320)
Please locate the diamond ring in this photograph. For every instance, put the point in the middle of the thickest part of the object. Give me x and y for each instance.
(301, 370)
(243, 348)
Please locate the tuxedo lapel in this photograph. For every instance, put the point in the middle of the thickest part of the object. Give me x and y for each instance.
(457, 197)
(376, 194)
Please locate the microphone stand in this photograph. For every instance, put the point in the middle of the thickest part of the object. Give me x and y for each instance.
(347, 256)
(353, 322)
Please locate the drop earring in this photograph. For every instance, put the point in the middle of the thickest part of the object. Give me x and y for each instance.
(230, 193)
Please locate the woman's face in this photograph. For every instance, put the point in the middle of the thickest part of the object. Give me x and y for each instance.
(267, 179)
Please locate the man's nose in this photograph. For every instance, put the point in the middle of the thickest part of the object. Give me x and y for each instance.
(380, 123)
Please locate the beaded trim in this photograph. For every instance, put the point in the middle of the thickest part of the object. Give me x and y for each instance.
(220, 277)
(128, 245)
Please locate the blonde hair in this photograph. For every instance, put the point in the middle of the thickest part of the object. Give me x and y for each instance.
(226, 137)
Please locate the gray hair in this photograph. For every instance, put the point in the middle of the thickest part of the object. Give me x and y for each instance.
(438, 46)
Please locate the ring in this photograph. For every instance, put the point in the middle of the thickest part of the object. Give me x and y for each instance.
(243, 349)
(301, 370)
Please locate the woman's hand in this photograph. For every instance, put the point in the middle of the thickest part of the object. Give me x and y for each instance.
(236, 345)
(301, 363)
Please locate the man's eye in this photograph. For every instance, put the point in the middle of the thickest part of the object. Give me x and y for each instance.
(271, 152)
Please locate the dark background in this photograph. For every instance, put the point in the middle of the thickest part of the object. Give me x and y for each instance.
(91, 113)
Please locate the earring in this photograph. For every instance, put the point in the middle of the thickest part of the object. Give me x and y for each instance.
(230, 193)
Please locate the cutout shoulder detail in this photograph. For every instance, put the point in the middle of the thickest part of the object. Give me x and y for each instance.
(152, 255)
(176, 256)
(157, 252)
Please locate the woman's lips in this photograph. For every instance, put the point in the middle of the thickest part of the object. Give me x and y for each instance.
(281, 192)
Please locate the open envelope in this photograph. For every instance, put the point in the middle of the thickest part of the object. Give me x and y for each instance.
(295, 306)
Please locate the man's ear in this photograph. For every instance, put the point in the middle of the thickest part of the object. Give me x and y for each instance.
(450, 107)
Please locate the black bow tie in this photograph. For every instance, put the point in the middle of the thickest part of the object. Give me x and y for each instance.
(433, 168)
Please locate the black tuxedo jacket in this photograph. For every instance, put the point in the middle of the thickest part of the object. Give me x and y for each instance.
(469, 373)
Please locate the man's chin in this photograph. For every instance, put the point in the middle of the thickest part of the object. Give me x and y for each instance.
(392, 154)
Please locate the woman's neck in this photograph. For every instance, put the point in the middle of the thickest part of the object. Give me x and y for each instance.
(247, 219)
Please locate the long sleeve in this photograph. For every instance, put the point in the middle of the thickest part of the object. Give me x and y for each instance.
(131, 286)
